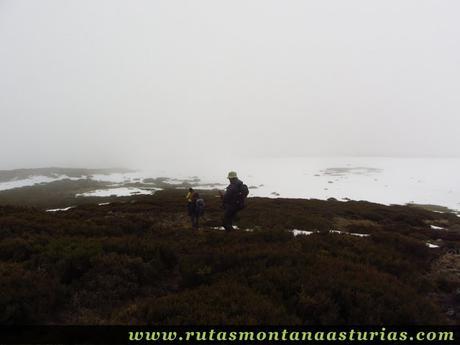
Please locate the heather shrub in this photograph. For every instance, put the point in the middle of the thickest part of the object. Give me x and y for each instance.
(69, 258)
(15, 249)
(138, 262)
(26, 297)
(225, 302)
(112, 279)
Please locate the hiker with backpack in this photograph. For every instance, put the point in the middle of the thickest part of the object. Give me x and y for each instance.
(198, 211)
(195, 207)
(233, 199)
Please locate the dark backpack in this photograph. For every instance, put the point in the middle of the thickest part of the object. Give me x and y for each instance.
(242, 195)
(199, 207)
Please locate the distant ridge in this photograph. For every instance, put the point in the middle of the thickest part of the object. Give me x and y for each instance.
(18, 174)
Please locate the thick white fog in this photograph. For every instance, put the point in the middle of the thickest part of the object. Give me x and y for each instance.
(94, 83)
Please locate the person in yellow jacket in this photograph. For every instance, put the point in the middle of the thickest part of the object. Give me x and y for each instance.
(189, 198)
(189, 195)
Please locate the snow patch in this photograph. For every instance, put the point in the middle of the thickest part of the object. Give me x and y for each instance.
(235, 227)
(174, 181)
(118, 177)
(349, 233)
(297, 232)
(33, 180)
(218, 228)
(335, 231)
(121, 191)
(358, 234)
(434, 227)
(431, 245)
(60, 209)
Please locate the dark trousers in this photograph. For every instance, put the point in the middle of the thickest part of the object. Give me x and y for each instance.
(190, 208)
(229, 216)
(195, 217)
(192, 214)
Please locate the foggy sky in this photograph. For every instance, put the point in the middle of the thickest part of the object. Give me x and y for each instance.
(118, 83)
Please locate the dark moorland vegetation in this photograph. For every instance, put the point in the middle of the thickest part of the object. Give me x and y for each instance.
(137, 261)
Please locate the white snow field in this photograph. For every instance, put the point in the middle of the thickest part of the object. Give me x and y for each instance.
(120, 191)
(376, 179)
(383, 180)
(32, 180)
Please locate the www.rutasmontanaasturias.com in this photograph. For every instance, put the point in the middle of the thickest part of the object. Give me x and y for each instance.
(287, 335)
